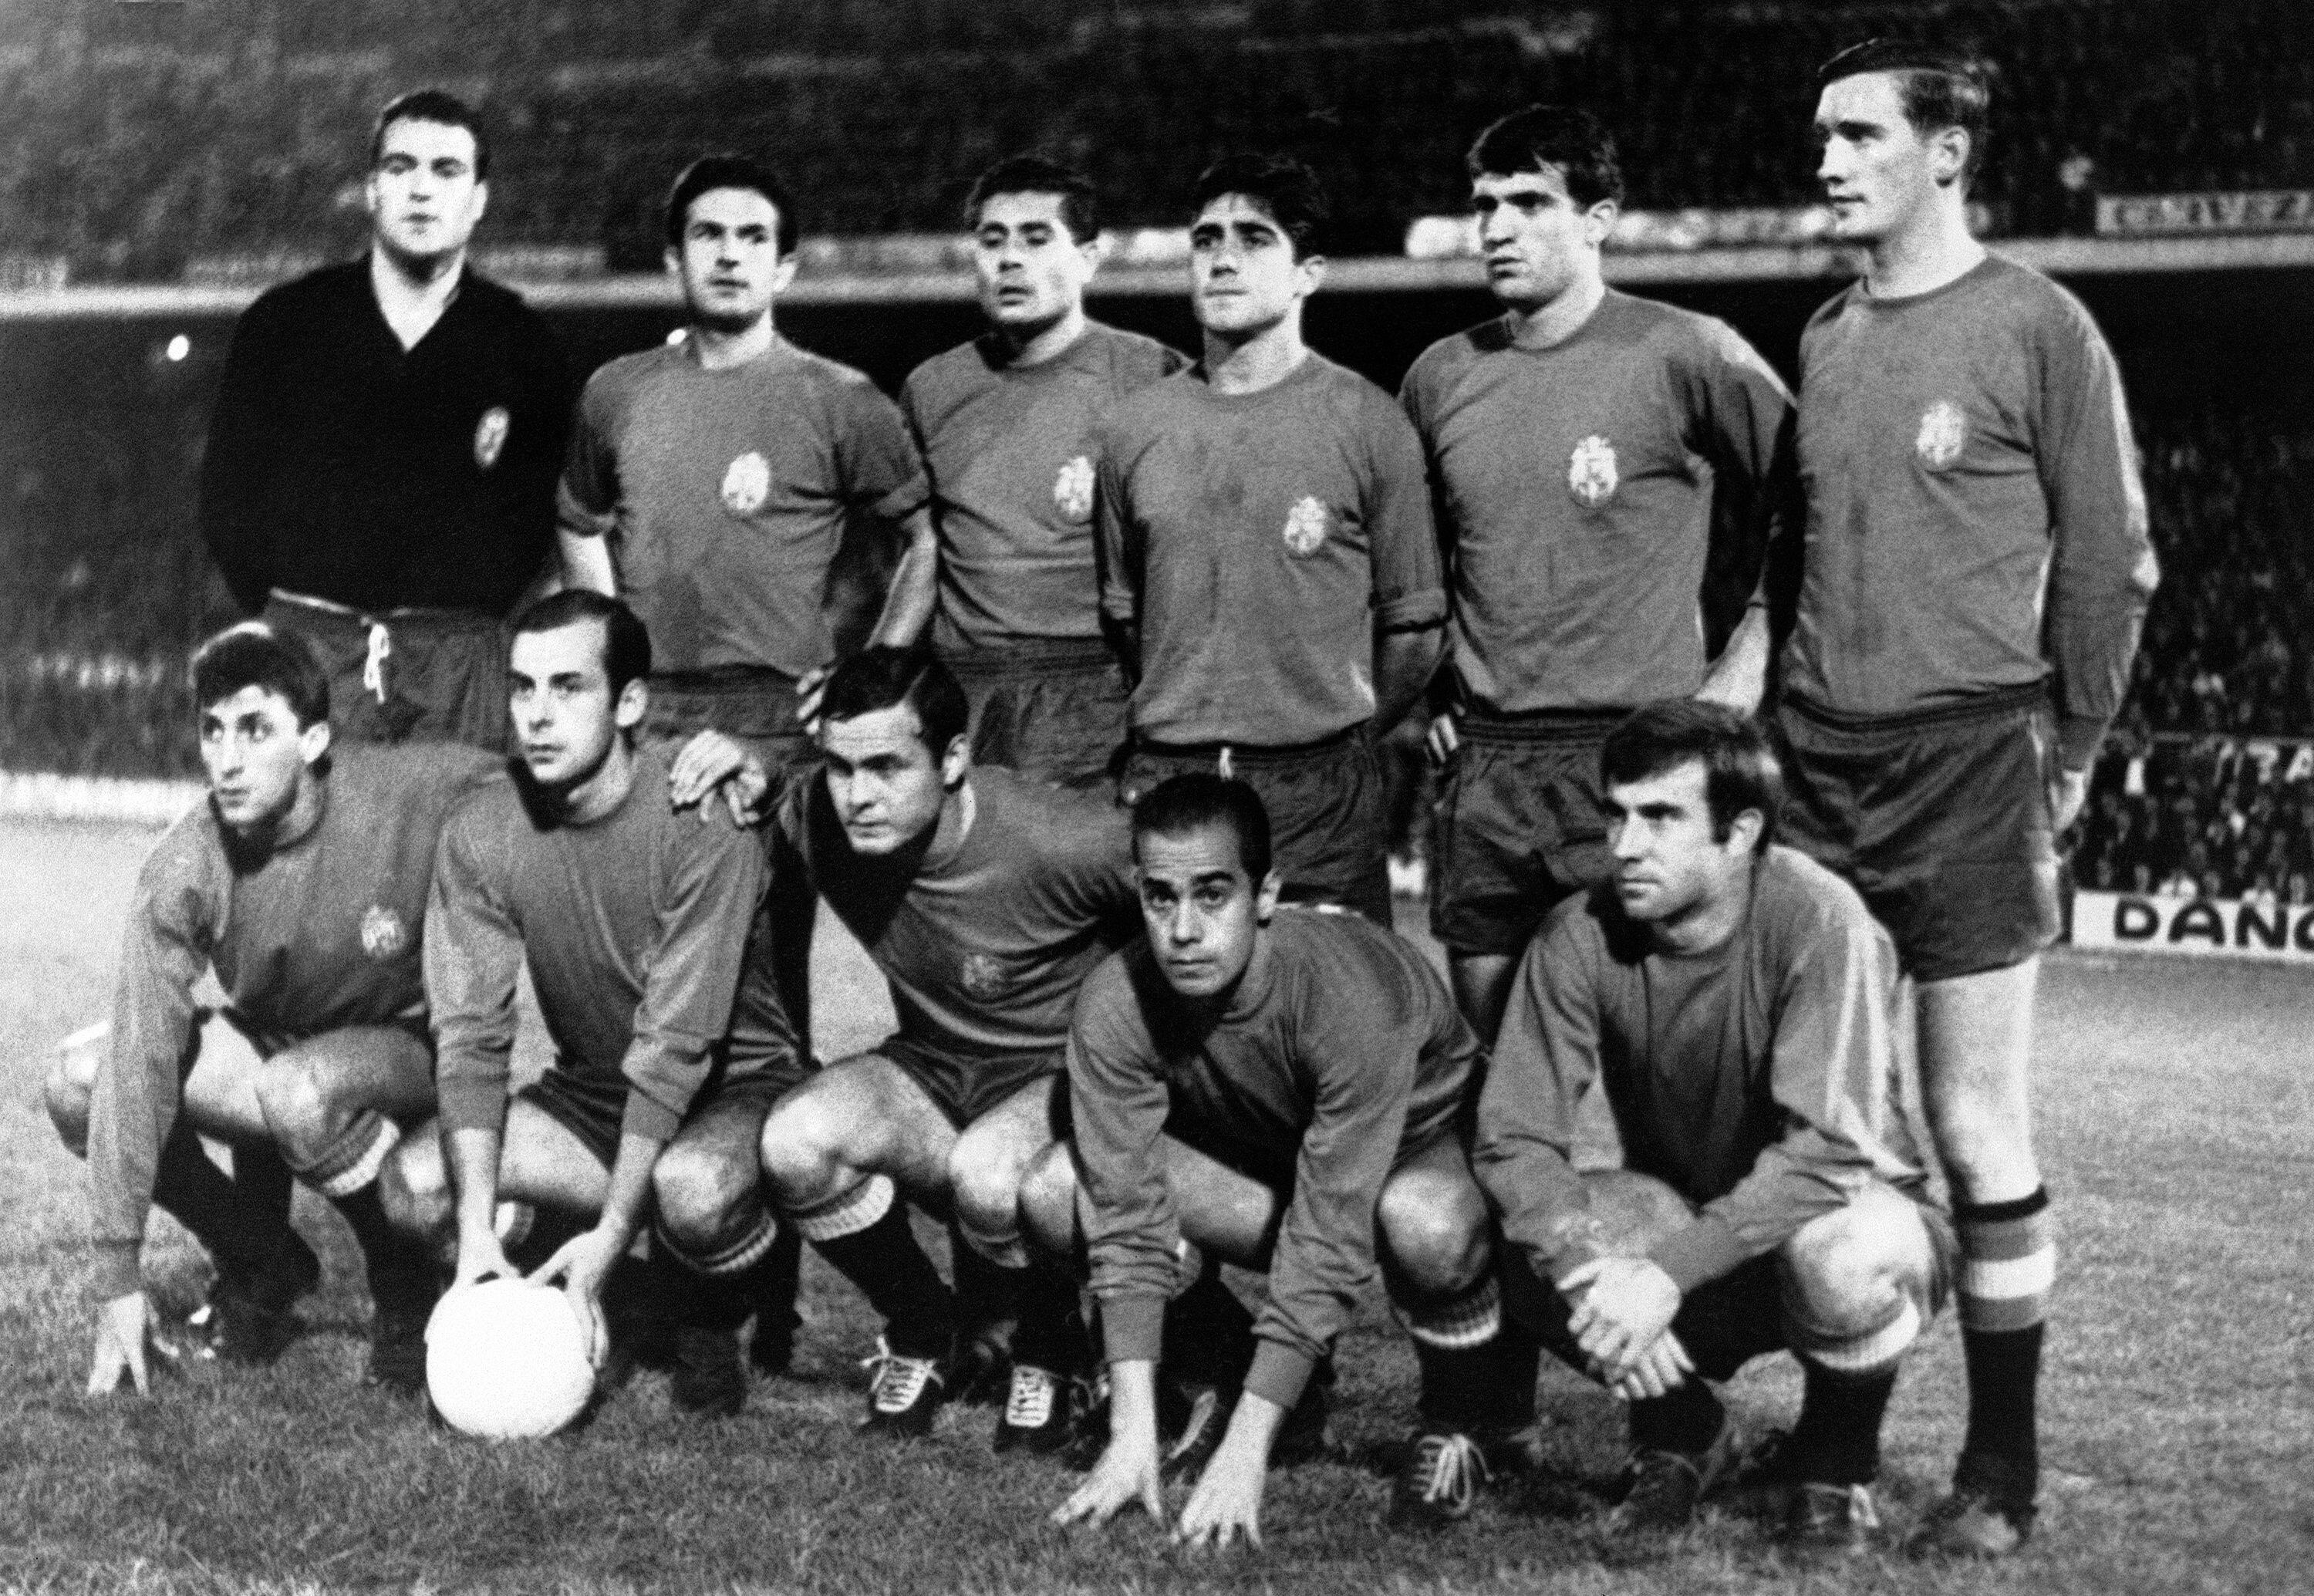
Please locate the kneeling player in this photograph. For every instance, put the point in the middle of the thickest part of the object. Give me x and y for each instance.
(984, 898)
(643, 931)
(1309, 1062)
(1733, 999)
(302, 882)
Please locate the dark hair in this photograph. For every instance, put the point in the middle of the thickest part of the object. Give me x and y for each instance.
(1739, 772)
(1539, 137)
(1285, 188)
(431, 105)
(883, 676)
(1033, 174)
(728, 169)
(254, 655)
(1197, 799)
(1937, 88)
(626, 644)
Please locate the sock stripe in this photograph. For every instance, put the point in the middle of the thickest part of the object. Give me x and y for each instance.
(1470, 1320)
(848, 1213)
(1876, 1351)
(350, 1177)
(2002, 1213)
(2006, 1279)
(739, 1256)
(2018, 1238)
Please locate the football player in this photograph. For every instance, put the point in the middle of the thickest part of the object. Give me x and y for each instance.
(380, 471)
(1976, 571)
(1733, 1003)
(1268, 559)
(984, 898)
(302, 884)
(1006, 424)
(1606, 470)
(1288, 1091)
(643, 934)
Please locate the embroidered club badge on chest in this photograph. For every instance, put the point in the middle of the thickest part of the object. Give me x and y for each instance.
(747, 483)
(1591, 474)
(490, 435)
(1944, 428)
(983, 975)
(1305, 526)
(1073, 491)
(384, 933)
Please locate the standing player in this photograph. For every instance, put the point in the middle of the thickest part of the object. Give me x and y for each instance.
(1005, 422)
(380, 474)
(1268, 557)
(1606, 470)
(1977, 557)
(1291, 1094)
(637, 924)
(1732, 999)
(302, 883)
(984, 898)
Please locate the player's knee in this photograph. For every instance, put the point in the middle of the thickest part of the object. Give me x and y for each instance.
(698, 1193)
(296, 1109)
(1985, 1144)
(1048, 1199)
(1634, 1210)
(70, 1085)
(1436, 1232)
(1840, 1270)
(413, 1185)
(798, 1145)
(984, 1179)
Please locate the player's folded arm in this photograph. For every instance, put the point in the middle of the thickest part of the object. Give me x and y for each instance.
(1545, 1058)
(692, 974)
(1117, 1107)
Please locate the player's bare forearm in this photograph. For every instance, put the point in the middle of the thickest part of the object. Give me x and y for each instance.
(586, 562)
(474, 1154)
(630, 1189)
(1404, 663)
(1738, 678)
(916, 584)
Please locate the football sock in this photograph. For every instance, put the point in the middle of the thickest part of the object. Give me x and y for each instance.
(1685, 1420)
(1478, 1368)
(345, 1171)
(864, 1234)
(2009, 1260)
(245, 1224)
(1837, 1441)
(1050, 1335)
(777, 1279)
(987, 1287)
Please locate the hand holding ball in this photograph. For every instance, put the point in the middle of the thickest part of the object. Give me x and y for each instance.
(506, 1361)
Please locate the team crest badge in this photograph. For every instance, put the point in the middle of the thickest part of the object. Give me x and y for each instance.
(490, 435)
(747, 483)
(383, 932)
(1073, 491)
(1305, 527)
(1591, 472)
(1943, 430)
(984, 975)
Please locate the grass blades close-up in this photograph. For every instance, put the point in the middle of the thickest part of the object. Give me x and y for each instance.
(2174, 1111)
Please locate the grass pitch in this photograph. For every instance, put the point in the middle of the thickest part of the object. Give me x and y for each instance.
(2175, 1111)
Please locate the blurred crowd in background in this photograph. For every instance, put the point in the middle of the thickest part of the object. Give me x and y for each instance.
(138, 139)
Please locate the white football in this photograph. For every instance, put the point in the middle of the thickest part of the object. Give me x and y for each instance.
(506, 1360)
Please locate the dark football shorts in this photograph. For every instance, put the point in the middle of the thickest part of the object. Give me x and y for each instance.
(964, 1087)
(1518, 828)
(595, 1110)
(1328, 813)
(407, 676)
(1941, 819)
(754, 706)
(1725, 1323)
(1051, 708)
